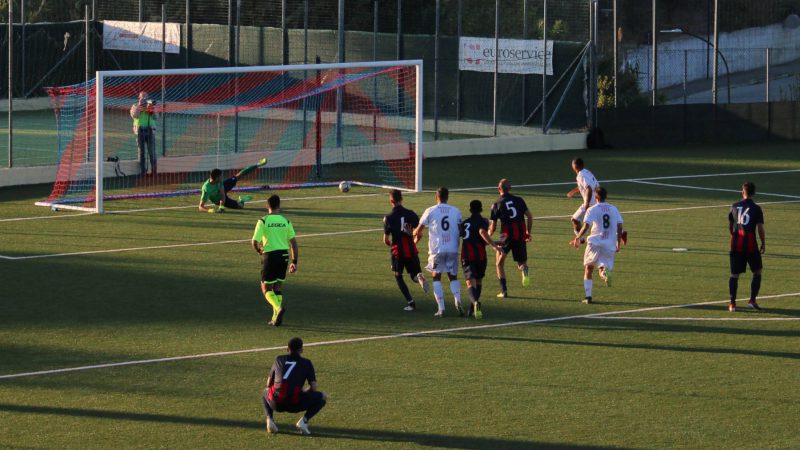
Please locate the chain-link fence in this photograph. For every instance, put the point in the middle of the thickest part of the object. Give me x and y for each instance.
(460, 100)
(758, 56)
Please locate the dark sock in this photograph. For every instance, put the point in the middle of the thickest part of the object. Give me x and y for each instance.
(267, 408)
(403, 287)
(733, 285)
(503, 287)
(478, 289)
(755, 286)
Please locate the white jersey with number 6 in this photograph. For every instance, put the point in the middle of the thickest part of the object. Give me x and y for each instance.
(442, 220)
(604, 218)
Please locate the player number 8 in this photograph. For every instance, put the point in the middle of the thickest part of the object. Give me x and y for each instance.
(606, 221)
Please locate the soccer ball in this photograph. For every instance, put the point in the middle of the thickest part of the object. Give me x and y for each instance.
(344, 186)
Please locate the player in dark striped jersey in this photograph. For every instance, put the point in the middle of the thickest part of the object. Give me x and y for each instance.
(744, 220)
(284, 391)
(397, 234)
(475, 236)
(516, 222)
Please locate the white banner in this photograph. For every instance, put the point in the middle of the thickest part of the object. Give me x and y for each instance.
(140, 36)
(516, 55)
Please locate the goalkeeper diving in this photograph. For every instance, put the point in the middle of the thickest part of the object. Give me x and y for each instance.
(214, 194)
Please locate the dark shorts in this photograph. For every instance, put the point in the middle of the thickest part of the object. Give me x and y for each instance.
(740, 261)
(229, 184)
(274, 265)
(518, 250)
(308, 399)
(410, 265)
(474, 269)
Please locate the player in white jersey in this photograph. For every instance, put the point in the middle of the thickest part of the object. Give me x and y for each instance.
(587, 183)
(603, 243)
(443, 221)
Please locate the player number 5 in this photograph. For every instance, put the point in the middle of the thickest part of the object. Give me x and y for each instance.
(510, 207)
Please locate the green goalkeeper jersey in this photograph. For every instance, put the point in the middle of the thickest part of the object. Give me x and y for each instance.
(211, 192)
(273, 231)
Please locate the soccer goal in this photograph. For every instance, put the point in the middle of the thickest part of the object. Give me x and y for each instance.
(317, 125)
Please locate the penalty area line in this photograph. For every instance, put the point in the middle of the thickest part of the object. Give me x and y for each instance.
(704, 319)
(374, 338)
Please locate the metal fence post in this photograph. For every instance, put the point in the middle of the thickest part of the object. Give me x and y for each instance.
(459, 20)
(10, 83)
(436, 73)
(524, 36)
(685, 73)
(284, 34)
(615, 49)
(544, 67)
(141, 19)
(339, 90)
(496, 63)
(188, 35)
(654, 40)
(22, 58)
(163, 80)
(766, 76)
(375, 17)
(714, 68)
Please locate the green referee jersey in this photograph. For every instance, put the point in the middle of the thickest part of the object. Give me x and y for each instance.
(273, 231)
(211, 192)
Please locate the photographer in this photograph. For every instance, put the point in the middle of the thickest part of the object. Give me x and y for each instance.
(144, 128)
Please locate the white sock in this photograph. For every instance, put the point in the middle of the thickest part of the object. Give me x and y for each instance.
(455, 288)
(587, 287)
(438, 294)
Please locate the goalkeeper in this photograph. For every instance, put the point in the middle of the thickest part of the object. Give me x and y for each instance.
(215, 190)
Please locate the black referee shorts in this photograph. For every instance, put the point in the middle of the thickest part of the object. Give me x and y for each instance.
(274, 265)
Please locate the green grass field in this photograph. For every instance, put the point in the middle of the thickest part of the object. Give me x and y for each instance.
(541, 370)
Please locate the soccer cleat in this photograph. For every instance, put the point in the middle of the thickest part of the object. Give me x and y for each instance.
(439, 313)
(262, 162)
(302, 425)
(478, 312)
(502, 295)
(526, 280)
(732, 307)
(459, 309)
(423, 283)
(271, 427)
(605, 275)
(753, 305)
(279, 318)
(588, 301)
(412, 306)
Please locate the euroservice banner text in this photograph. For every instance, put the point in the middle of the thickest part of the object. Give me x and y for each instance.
(516, 55)
(140, 36)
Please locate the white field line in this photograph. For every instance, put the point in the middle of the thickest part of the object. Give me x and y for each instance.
(335, 233)
(374, 338)
(702, 319)
(191, 244)
(562, 183)
(682, 186)
(60, 216)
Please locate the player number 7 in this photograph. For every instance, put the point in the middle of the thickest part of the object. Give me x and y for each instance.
(291, 365)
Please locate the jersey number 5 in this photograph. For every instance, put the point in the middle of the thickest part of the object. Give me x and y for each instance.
(510, 207)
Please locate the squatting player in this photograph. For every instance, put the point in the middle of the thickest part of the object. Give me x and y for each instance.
(284, 391)
(399, 225)
(587, 183)
(273, 239)
(475, 236)
(604, 242)
(443, 220)
(215, 190)
(744, 220)
(516, 222)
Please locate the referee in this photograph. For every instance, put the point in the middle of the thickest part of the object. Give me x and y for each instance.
(273, 239)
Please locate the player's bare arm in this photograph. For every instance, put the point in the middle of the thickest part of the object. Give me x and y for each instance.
(256, 247)
(488, 239)
(418, 232)
(492, 226)
(293, 247)
(577, 241)
(763, 236)
(528, 224)
(202, 206)
(619, 236)
(574, 191)
(386, 240)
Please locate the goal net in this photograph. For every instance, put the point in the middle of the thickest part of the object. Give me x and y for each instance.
(316, 125)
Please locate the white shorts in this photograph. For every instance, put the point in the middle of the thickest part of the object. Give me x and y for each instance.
(443, 262)
(580, 213)
(599, 257)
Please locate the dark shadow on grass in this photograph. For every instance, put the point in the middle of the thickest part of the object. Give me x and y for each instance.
(669, 348)
(423, 439)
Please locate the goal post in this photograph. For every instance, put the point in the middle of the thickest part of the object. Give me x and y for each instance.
(316, 124)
